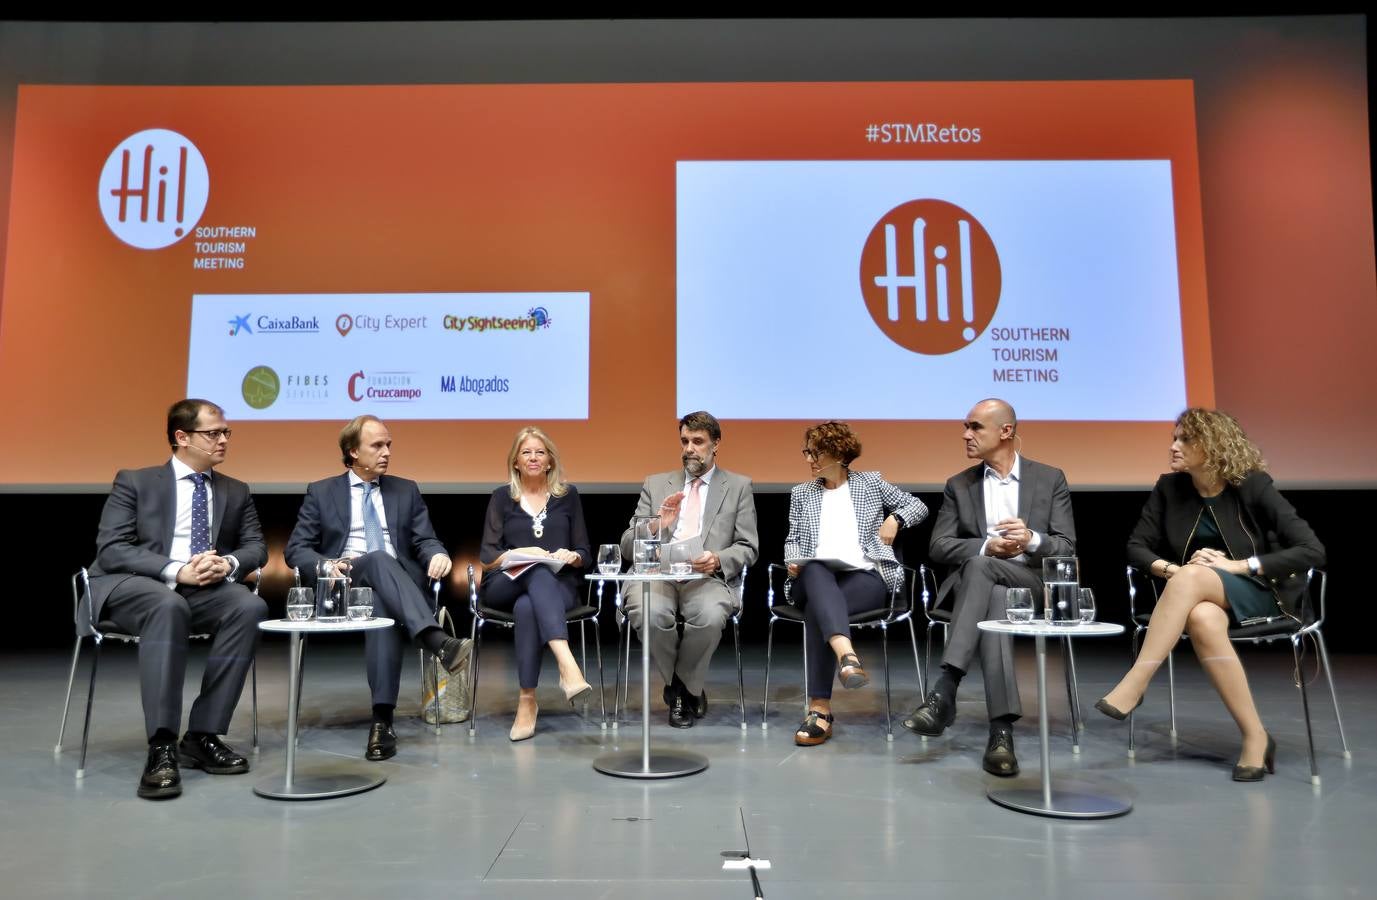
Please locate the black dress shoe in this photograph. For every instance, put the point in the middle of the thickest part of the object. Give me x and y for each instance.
(932, 717)
(700, 705)
(999, 754)
(454, 654)
(208, 752)
(382, 743)
(681, 711)
(161, 779)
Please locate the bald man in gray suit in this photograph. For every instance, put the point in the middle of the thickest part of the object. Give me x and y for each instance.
(700, 499)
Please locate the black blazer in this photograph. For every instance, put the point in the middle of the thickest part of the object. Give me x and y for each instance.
(136, 525)
(1254, 520)
(322, 526)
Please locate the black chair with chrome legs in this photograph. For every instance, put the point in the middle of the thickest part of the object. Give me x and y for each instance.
(621, 684)
(899, 609)
(579, 615)
(940, 617)
(99, 632)
(1306, 623)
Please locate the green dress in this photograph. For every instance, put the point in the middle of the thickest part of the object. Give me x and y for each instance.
(1247, 599)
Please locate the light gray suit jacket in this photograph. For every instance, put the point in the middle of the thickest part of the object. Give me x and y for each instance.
(729, 528)
(1044, 504)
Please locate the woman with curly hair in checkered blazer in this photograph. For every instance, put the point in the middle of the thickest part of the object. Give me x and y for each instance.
(840, 558)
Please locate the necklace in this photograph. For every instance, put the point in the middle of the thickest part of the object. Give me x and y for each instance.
(538, 519)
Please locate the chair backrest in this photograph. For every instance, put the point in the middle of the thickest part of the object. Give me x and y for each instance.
(1138, 580)
(473, 591)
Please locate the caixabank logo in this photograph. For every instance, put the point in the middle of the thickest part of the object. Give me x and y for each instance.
(153, 188)
(930, 276)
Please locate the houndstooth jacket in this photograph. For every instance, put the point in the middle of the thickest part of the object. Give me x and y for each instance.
(874, 499)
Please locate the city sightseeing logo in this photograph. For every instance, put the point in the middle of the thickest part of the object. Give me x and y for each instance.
(949, 293)
(153, 188)
(536, 318)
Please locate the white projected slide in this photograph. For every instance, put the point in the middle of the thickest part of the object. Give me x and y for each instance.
(903, 290)
(398, 356)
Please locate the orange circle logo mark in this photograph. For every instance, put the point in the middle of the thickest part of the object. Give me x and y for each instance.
(930, 276)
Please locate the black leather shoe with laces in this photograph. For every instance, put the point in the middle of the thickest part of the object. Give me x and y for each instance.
(161, 778)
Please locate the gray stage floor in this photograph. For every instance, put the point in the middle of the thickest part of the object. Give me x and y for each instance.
(858, 817)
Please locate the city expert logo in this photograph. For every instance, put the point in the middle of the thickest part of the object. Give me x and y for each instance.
(930, 276)
(153, 188)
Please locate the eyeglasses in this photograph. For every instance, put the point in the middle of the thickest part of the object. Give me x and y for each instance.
(810, 453)
(213, 433)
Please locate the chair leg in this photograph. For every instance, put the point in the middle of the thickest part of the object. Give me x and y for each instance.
(1333, 695)
(1132, 658)
(1305, 707)
(90, 700)
(621, 684)
(740, 679)
(583, 647)
(1072, 700)
(917, 666)
(804, 629)
(434, 689)
(1171, 691)
(67, 706)
(253, 688)
(765, 699)
(602, 688)
(476, 637)
(889, 716)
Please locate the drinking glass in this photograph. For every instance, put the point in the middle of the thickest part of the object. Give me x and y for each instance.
(301, 603)
(609, 559)
(645, 545)
(1018, 605)
(1087, 604)
(331, 597)
(360, 604)
(678, 558)
(1061, 580)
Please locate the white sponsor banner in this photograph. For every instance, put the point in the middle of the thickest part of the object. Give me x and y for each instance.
(398, 356)
(773, 322)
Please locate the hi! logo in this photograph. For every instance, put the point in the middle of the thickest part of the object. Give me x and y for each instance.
(930, 276)
(153, 188)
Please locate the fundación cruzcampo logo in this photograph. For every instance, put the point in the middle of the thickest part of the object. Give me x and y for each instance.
(930, 276)
(260, 387)
(153, 188)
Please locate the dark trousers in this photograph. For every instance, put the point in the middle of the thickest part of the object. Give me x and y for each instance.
(980, 588)
(163, 618)
(540, 602)
(828, 599)
(396, 596)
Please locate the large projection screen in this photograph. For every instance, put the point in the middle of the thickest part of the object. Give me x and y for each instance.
(598, 240)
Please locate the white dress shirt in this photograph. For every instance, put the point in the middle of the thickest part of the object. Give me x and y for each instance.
(180, 550)
(357, 545)
(1001, 502)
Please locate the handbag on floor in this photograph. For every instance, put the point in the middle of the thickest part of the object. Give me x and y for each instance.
(453, 687)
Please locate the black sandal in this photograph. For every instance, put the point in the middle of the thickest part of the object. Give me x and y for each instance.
(852, 675)
(810, 734)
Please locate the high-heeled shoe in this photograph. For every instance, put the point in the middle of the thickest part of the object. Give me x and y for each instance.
(1269, 764)
(574, 690)
(522, 734)
(1114, 712)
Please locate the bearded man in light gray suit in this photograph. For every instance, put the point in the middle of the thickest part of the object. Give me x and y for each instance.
(999, 519)
(701, 499)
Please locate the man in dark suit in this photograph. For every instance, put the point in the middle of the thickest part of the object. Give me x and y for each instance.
(158, 574)
(999, 519)
(376, 526)
(704, 501)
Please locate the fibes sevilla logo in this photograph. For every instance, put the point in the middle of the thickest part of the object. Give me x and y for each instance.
(930, 276)
(153, 188)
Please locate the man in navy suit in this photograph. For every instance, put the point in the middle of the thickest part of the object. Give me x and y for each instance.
(160, 574)
(378, 527)
(999, 519)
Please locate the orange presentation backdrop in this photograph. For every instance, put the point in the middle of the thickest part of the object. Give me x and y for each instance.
(474, 188)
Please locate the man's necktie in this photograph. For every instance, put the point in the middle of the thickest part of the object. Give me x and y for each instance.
(693, 509)
(200, 515)
(372, 528)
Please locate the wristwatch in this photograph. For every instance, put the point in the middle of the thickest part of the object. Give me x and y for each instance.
(1254, 566)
